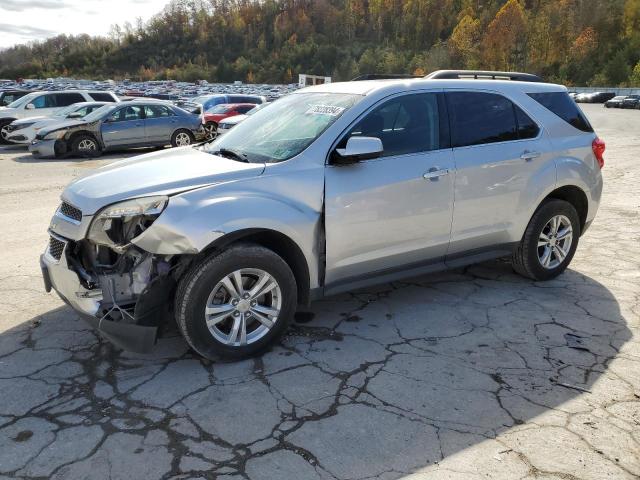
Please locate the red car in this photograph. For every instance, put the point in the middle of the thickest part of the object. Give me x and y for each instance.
(220, 112)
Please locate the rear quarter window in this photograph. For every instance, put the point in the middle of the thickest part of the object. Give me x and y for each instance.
(564, 107)
(102, 97)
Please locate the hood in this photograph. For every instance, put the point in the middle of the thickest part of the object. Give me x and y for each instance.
(60, 124)
(22, 121)
(158, 173)
(7, 112)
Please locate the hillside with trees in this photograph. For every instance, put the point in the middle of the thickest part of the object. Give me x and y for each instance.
(576, 42)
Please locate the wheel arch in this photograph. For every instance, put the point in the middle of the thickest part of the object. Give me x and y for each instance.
(277, 242)
(574, 195)
(76, 133)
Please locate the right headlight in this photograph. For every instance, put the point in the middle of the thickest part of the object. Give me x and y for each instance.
(55, 135)
(116, 225)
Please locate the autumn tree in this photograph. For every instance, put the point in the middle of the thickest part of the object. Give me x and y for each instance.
(505, 39)
(464, 41)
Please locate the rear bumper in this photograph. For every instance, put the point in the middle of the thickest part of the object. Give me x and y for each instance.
(133, 336)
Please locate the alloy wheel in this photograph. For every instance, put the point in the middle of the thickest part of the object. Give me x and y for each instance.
(554, 241)
(183, 139)
(86, 145)
(210, 131)
(243, 307)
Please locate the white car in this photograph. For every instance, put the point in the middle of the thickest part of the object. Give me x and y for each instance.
(228, 123)
(23, 131)
(38, 104)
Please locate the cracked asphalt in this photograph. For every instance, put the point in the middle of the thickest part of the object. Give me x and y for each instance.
(474, 373)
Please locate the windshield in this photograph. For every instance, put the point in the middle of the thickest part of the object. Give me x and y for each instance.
(99, 113)
(284, 128)
(66, 111)
(23, 100)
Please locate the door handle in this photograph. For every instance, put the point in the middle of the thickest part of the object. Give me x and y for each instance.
(435, 173)
(527, 155)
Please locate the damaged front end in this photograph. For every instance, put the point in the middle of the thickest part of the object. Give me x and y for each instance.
(123, 291)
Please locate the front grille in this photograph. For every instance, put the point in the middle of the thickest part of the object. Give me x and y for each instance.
(70, 211)
(56, 247)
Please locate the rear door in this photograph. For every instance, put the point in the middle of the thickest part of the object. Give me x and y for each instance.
(391, 213)
(160, 122)
(124, 127)
(498, 149)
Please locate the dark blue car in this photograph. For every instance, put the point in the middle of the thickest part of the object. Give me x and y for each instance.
(141, 123)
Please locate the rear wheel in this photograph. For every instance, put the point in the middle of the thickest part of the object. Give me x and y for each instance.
(182, 138)
(236, 303)
(549, 242)
(85, 145)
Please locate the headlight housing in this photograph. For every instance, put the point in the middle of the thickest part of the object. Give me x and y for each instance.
(55, 135)
(116, 225)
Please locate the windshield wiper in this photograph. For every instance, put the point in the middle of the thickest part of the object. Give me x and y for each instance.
(233, 154)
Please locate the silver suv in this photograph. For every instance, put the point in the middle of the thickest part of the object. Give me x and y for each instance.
(332, 188)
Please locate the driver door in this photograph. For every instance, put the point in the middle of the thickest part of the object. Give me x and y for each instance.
(124, 127)
(392, 213)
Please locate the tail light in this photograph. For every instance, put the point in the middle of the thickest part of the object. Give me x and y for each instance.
(598, 147)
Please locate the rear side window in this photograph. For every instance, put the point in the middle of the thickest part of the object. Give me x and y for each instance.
(563, 106)
(102, 97)
(479, 118)
(66, 99)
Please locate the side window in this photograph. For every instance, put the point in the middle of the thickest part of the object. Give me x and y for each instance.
(102, 97)
(478, 118)
(244, 108)
(527, 128)
(43, 101)
(66, 99)
(564, 107)
(157, 111)
(133, 112)
(405, 124)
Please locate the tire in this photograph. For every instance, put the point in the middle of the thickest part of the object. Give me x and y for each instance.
(203, 285)
(85, 145)
(4, 123)
(182, 138)
(211, 130)
(529, 257)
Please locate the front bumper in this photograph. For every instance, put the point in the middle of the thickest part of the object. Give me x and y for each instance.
(18, 139)
(43, 148)
(137, 336)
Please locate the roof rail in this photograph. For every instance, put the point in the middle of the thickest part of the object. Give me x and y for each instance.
(484, 74)
(384, 76)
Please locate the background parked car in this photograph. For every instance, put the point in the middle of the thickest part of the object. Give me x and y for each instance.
(594, 97)
(202, 103)
(24, 131)
(615, 102)
(215, 115)
(132, 124)
(228, 123)
(9, 96)
(38, 104)
(631, 101)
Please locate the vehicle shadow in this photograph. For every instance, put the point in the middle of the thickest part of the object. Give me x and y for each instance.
(385, 381)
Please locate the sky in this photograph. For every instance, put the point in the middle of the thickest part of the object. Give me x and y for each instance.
(22, 21)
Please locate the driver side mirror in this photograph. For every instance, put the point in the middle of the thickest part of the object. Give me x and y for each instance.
(74, 115)
(30, 106)
(356, 150)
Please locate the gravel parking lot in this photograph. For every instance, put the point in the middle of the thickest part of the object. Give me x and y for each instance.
(475, 373)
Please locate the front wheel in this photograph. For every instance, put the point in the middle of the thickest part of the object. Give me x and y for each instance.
(182, 138)
(4, 132)
(549, 242)
(236, 303)
(211, 130)
(85, 146)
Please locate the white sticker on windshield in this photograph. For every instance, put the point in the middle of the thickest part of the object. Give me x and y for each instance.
(324, 110)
